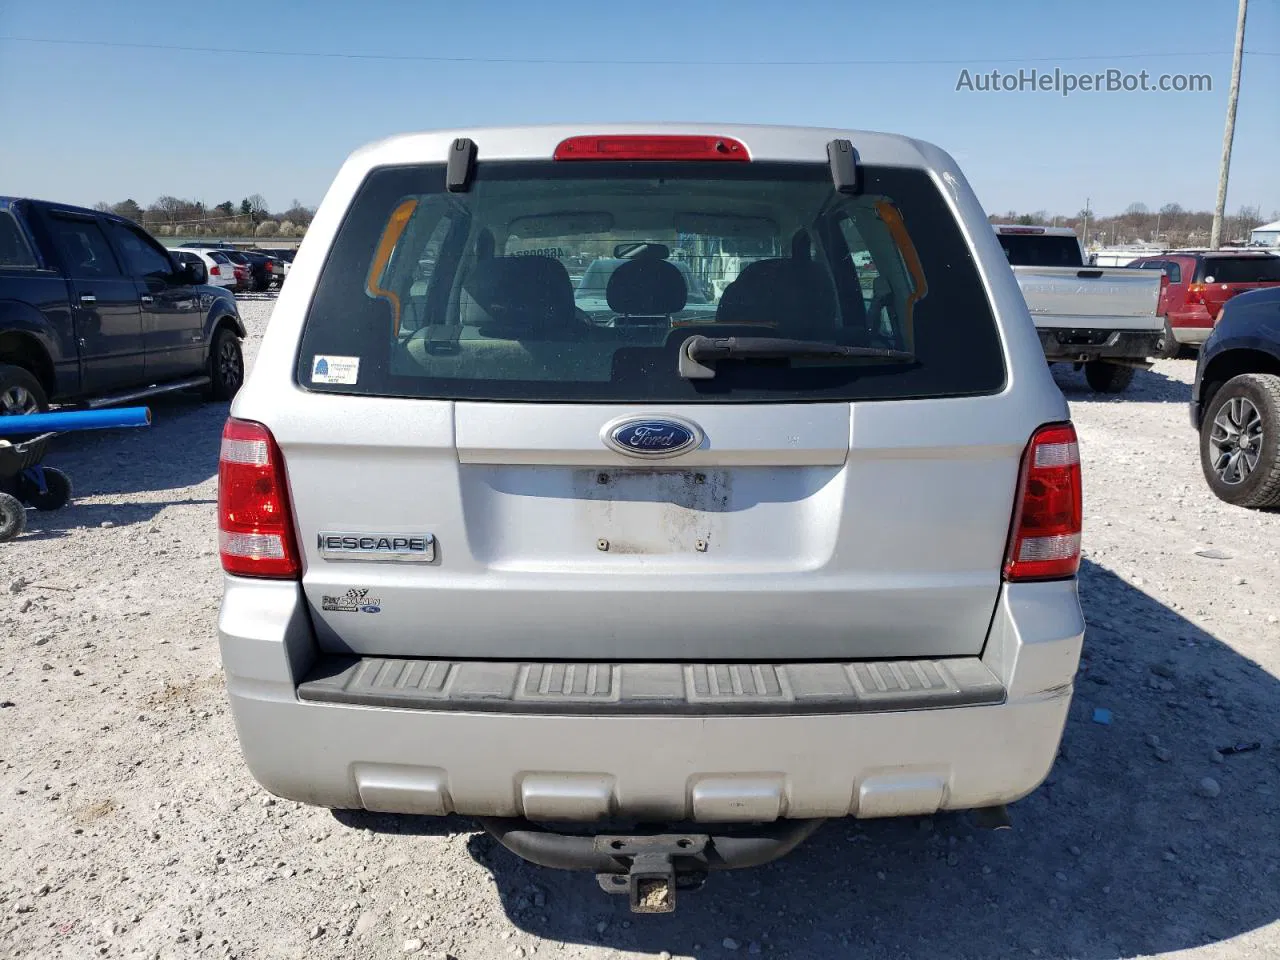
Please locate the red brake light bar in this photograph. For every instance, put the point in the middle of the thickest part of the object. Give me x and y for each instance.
(633, 147)
(1022, 229)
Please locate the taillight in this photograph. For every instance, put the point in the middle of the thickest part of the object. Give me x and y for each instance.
(1195, 293)
(631, 147)
(215, 271)
(1044, 543)
(255, 527)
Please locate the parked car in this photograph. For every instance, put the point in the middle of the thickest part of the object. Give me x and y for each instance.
(279, 264)
(262, 270)
(1235, 402)
(217, 266)
(243, 269)
(1199, 284)
(280, 253)
(91, 307)
(1103, 318)
(537, 571)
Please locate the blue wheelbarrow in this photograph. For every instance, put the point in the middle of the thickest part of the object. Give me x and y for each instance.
(24, 481)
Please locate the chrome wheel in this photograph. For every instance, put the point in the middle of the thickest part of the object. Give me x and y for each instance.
(1235, 442)
(18, 400)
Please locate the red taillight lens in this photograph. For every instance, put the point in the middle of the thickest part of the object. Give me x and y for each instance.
(255, 526)
(1195, 293)
(1044, 543)
(651, 148)
(215, 271)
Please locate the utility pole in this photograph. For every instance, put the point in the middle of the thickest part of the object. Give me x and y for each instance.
(1233, 95)
(1086, 222)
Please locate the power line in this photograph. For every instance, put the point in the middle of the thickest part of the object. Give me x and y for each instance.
(554, 61)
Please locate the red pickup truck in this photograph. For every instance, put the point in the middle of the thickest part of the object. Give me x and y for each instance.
(1200, 282)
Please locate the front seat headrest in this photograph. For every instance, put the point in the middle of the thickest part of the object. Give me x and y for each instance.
(647, 287)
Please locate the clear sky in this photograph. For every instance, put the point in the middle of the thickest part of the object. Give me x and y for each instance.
(82, 123)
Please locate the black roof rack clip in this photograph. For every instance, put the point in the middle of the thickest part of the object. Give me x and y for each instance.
(462, 165)
(844, 166)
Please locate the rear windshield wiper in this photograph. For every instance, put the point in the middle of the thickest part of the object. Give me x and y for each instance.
(699, 353)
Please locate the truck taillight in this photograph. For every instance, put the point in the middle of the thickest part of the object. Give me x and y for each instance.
(1044, 542)
(255, 523)
(1195, 293)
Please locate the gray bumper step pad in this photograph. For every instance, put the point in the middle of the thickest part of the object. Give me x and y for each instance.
(652, 688)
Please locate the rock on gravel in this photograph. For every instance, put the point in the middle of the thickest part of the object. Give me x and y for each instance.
(1208, 787)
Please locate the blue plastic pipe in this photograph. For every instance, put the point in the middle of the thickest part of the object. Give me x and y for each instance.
(33, 423)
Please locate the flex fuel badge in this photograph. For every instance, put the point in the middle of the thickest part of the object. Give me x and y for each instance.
(330, 369)
(355, 600)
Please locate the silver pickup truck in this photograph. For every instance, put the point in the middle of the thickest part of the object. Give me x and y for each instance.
(1104, 318)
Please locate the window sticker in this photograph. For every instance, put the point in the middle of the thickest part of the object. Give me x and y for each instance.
(330, 369)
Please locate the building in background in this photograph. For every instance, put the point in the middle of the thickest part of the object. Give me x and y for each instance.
(1267, 235)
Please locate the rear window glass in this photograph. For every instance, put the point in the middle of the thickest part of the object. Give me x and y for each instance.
(1240, 270)
(14, 250)
(581, 281)
(1029, 250)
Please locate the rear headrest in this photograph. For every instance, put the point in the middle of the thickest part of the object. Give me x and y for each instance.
(646, 287)
(795, 295)
(522, 296)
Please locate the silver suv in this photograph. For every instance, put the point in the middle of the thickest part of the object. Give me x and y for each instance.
(653, 595)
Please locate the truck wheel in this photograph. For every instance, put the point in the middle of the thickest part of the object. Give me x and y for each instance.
(1240, 441)
(20, 391)
(1167, 347)
(1106, 377)
(13, 518)
(226, 365)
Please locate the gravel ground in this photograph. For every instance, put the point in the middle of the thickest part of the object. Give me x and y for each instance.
(129, 827)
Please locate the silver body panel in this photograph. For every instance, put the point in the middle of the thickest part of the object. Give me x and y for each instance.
(793, 532)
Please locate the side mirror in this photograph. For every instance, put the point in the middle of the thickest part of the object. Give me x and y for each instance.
(193, 272)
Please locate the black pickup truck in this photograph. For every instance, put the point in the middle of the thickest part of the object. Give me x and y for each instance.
(95, 311)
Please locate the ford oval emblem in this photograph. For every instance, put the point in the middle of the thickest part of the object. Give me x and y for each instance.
(651, 437)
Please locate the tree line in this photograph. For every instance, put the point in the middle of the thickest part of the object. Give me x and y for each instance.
(251, 217)
(1169, 226)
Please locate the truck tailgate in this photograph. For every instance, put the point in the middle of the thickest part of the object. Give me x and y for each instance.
(1115, 298)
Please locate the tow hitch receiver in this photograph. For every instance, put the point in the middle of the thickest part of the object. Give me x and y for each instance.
(650, 867)
(650, 863)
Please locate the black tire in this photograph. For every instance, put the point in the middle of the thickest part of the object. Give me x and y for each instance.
(1249, 406)
(226, 365)
(13, 517)
(1106, 377)
(20, 391)
(57, 493)
(1168, 348)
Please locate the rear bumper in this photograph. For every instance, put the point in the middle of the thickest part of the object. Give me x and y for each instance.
(1191, 335)
(1062, 344)
(710, 768)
